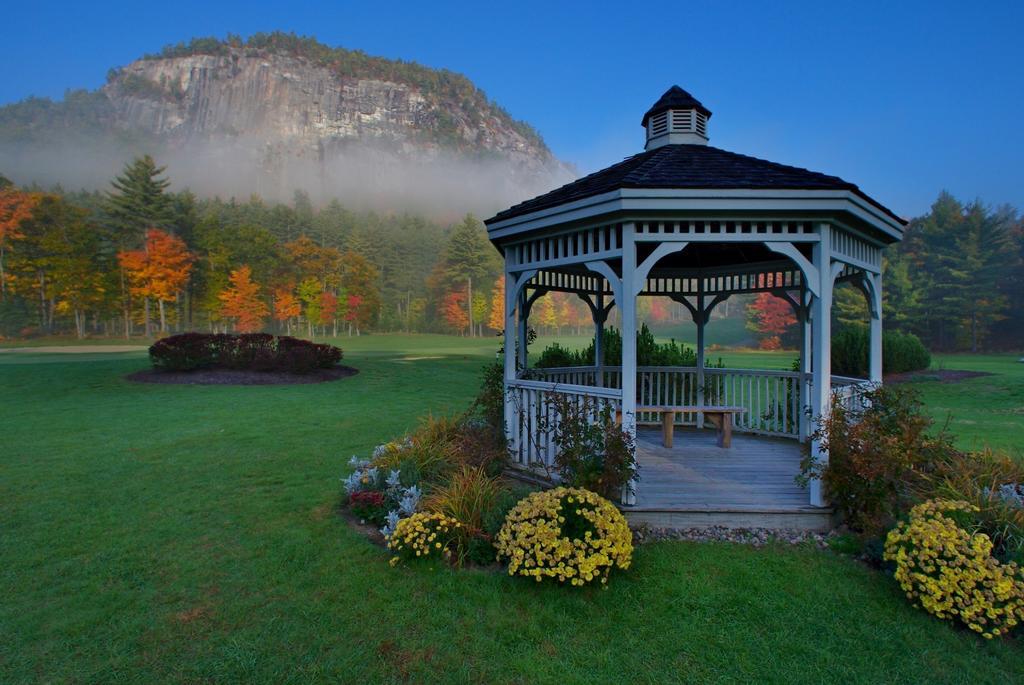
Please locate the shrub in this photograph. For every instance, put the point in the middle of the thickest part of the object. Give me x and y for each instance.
(490, 401)
(991, 482)
(428, 449)
(440, 445)
(251, 351)
(876, 457)
(901, 352)
(424, 534)
(568, 534)
(593, 451)
(948, 569)
(649, 352)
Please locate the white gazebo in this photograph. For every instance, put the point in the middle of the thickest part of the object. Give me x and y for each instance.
(695, 223)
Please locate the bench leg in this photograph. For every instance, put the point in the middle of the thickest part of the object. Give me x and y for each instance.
(726, 435)
(668, 421)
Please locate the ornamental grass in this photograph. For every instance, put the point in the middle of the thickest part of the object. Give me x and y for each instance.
(567, 534)
(947, 568)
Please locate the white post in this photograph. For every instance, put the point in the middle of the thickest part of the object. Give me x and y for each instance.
(701, 320)
(599, 316)
(628, 309)
(804, 318)
(875, 350)
(821, 324)
(510, 356)
(522, 332)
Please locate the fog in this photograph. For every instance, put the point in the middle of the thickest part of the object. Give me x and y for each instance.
(436, 184)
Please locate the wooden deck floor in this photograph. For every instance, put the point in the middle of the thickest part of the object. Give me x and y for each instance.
(741, 486)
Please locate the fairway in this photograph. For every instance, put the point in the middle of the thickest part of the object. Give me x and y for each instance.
(185, 533)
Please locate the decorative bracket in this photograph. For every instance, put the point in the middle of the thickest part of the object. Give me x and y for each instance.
(643, 269)
(614, 281)
(701, 316)
(811, 274)
(535, 295)
(598, 313)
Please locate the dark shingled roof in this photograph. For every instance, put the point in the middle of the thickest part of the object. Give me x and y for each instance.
(675, 98)
(688, 166)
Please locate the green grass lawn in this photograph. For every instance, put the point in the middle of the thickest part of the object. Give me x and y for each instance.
(156, 533)
(982, 411)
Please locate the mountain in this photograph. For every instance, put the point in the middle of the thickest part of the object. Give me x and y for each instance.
(279, 112)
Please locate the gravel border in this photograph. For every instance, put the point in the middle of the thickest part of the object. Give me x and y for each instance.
(756, 537)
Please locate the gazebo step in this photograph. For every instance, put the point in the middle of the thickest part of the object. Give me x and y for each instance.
(772, 518)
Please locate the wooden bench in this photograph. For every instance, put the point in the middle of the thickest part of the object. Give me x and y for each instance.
(722, 417)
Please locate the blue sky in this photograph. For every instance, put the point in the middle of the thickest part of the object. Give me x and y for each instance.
(903, 98)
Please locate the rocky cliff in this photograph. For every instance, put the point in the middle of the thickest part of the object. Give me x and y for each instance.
(279, 111)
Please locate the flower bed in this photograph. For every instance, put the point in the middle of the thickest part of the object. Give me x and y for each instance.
(438, 494)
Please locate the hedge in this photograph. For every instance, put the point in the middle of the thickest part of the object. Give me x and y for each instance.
(249, 351)
(901, 352)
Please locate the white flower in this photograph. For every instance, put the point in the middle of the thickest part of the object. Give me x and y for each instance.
(393, 478)
(390, 524)
(352, 483)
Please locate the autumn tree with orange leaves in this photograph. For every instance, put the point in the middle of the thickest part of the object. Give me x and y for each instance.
(241, 302)
(497, 320)
(159, 271)
(15, 207)
(454, 311)
(771, 318)
(286, 307)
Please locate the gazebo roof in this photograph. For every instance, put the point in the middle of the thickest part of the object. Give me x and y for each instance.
(686, 166)
(675, 98)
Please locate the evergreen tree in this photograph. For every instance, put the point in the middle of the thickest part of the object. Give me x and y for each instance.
(138, 202)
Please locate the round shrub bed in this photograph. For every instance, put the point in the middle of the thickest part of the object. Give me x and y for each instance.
(247, 351)
(568, 534)
(243, 359)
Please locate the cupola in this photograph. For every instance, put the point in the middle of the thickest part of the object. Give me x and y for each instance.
(677, 117)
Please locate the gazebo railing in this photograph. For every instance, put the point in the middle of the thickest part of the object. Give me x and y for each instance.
(534, 419)
(849, 392)
(773, 400)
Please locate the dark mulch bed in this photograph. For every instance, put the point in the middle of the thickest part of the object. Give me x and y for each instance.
(942, 376)
(239, 377)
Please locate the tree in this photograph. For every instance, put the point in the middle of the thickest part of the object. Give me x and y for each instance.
(544, 308)
(242, 303)
(353, 312)
(137, 202)
(497, 320)
(454, 311)
(309, 293)
(329, 310)
(770, 317)
(959, 258)
(310, 260)
(160, 270)
(286, 307)
(479, 310)
(469, 257)
(359, 280)
(56, 261)
(15, 207)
